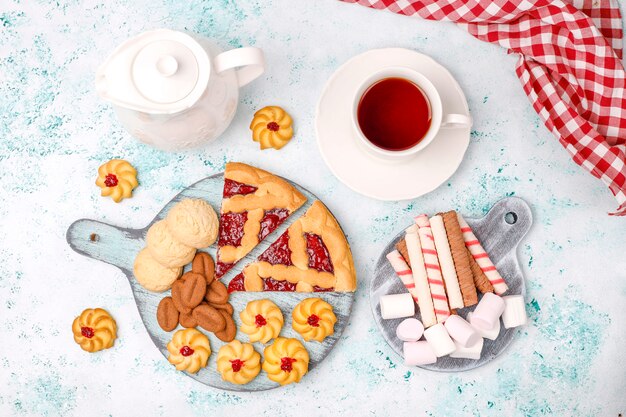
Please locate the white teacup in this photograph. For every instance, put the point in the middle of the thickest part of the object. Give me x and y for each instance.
(438, 119)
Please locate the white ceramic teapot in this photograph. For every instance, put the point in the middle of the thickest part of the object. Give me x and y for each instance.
(175, 91)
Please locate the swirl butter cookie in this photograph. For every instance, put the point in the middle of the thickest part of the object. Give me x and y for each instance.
(117, 179)
(314, 319)
(261, 320)
(189, 350)
(238, 362)
(94, 330)
(286, 361)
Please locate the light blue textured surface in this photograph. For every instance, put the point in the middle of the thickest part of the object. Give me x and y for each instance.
(54, 133)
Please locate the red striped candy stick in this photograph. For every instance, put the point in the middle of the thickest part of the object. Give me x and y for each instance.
(481, 257)
(403, 271)
(431, 262)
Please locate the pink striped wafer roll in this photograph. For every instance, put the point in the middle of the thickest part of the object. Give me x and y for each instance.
(481, 257)
(403, 271)
(431, 262)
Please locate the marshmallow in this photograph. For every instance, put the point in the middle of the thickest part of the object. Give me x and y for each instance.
(410, 330)
(395, 306)
(514, 311)
(418, 353)
(461, 331)
(439, 339)
(488, 311)
(489, 334)
(468, 352)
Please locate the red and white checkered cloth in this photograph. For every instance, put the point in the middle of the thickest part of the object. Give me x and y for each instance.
(569, 67)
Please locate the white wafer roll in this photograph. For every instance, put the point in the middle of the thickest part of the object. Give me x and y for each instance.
(395, 306)
(403, 271)
(481, 257)
(420, 278)
(433, 271)
(461, 331)
(469, 352)
(487, 334)
(439, 339)
(455, 298)
(514, 311)
(418, 353)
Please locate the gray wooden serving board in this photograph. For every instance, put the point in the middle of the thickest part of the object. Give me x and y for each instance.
(118, 246)
(500, 239)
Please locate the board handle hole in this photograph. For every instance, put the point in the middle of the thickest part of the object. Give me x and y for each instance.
(510, 217)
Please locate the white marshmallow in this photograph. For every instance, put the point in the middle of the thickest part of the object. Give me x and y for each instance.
(469, 352)
(418, 353)
(514, 311)
(410, 330)
(395, 306)
(488, 334)
(461, 331)
(488, 311)
(439, 339)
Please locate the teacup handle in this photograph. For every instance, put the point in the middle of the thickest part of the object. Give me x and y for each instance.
(250, 59)
(456, 121)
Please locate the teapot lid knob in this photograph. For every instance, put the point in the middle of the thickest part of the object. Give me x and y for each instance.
(167, 65)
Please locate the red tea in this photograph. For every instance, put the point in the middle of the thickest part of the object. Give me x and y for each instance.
(394, 114)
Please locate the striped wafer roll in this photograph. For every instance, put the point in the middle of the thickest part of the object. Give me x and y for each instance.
(433, 270)
(481, 257)
(425, 302)
(460, 258)
(453, 291)
(480, 279)
(403, 271)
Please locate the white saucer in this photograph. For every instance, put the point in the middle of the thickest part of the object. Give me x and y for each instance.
(367, 174)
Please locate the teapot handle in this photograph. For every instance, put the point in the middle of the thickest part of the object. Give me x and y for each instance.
(250, 59)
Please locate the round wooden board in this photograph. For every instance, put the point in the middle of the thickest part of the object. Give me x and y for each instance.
(500, 239)
(118, 246)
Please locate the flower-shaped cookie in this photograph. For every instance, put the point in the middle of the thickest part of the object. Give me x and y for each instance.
(238, 362)
(189, 350)
(117, 178)
(271, 127)
(286, 361)
(314, 319)
(261, 320)
(94, 330)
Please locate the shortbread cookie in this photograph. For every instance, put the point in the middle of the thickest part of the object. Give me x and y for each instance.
(194, 223)
(167, 249)
(189, 350)
(238, 362)
(94, 330)
(152, 275)
(313, 319)
(460, 258)
(286, 361)
(261, 320)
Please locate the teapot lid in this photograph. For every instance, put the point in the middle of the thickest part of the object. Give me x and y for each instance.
(160, 71)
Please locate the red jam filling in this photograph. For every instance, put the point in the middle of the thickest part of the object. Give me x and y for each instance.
(221, 268)
(320, 289)
(313, 320)
(232, 188)
(231, 229)
(236, 284)
(87, 332)
(270, 284)
(319, 259)
(271, 220)
(259, 320)
(236, 364)
(278, 253)
(110, 180)
(273, 126)
(186, 351)
(286, 364)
